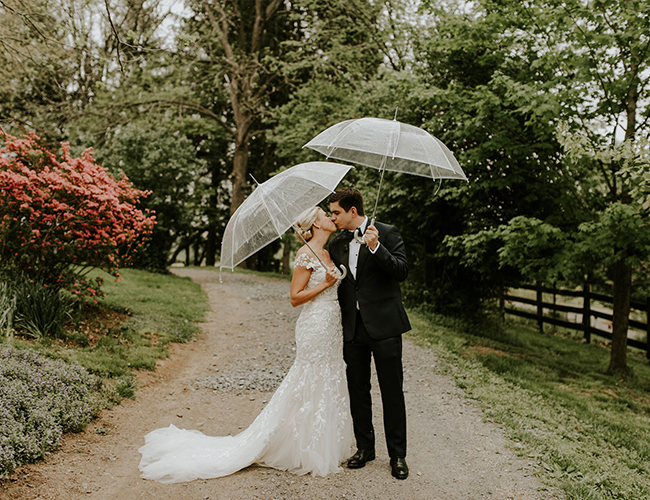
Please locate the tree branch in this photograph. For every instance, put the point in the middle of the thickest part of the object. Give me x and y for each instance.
(117, 36)
(594, 58)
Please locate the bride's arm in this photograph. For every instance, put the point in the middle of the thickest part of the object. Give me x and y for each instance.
(299, 281)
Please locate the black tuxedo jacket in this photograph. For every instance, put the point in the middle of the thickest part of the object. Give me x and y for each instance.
(376, 288)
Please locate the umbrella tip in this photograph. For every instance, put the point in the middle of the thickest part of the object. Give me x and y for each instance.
(395, 117)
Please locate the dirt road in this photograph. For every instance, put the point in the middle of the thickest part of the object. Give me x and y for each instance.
(219, 383)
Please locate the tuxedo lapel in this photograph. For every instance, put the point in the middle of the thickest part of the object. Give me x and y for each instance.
(345, 259)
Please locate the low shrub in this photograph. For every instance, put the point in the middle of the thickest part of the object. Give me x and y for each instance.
(40, 399)
(33, 308)
(41, 311)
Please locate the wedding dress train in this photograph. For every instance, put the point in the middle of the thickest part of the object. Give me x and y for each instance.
(306, 426)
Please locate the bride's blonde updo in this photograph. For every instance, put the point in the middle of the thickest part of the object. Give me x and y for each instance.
(304, 226)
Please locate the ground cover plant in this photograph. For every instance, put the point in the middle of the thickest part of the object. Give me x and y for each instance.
(50, 385)
(589, 431)
(40, 399)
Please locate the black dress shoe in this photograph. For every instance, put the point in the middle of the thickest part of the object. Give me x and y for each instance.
(360, 458)
(398, 468)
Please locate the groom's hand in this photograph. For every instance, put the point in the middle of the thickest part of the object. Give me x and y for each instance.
(371, 237)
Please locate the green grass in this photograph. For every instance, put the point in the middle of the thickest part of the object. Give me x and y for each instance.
(589, 431)
(152, 294)
(161, 308)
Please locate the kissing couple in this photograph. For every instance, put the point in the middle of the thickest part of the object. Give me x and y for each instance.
(309, 423)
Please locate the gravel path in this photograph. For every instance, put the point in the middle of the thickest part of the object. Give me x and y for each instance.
(219, 383)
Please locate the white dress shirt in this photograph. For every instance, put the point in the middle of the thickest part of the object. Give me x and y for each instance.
(355, 248)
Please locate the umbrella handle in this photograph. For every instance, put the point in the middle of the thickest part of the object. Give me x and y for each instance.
(344, 271)
(358, 237)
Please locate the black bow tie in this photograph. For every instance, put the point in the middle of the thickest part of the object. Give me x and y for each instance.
(347, 235)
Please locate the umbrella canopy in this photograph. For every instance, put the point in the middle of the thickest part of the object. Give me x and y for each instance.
(389, 145)
(275, 205)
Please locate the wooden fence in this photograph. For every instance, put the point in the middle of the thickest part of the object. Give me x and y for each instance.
(586, 312)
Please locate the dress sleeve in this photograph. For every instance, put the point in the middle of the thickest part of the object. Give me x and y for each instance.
(303, 260)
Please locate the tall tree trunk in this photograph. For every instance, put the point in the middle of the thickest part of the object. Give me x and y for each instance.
(176, 253)
(630, 111)
(622, 292)
(187, 255)
(211, 246)
(246, 83)
(213, 213)
(239, 172)
(623, 271)
(197, 250)
(286, 257)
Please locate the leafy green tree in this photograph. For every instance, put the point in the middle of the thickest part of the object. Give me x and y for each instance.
(253, 56)
(58, 56)
(470, 86)
(164, 162)
(599, 51)
(352, 45)
(231, 49)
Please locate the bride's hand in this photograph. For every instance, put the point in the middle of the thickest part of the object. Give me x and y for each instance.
(331, 276)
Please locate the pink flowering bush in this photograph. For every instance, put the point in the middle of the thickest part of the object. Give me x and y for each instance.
(61, 216)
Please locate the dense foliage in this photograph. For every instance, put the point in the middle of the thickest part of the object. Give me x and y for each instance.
(588, 61)
(61, 216)
(164, 163)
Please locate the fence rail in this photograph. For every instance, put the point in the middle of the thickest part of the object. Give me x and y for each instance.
(586, 312)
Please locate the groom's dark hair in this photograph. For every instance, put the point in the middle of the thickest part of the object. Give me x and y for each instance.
(348, 198)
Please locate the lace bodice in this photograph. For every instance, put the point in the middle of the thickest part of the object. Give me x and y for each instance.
(317, 276)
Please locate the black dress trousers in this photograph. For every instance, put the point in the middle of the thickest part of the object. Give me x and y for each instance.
(387, 354)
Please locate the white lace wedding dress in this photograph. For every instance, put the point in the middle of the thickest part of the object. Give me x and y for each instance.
(305, 427)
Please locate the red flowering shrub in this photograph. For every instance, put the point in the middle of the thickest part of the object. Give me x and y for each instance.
(60, 217)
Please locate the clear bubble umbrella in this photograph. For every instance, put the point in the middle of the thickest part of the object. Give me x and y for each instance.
(388, 145)
(275, 206)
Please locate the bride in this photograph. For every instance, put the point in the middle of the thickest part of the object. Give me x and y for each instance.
(306, 426)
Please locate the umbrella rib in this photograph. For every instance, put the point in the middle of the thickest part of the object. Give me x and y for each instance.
(335, 138)
(399, 134)
(232, 262)
(433, 176)
(270, 214)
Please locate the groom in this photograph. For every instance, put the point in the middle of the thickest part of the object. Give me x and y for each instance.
(373, 322)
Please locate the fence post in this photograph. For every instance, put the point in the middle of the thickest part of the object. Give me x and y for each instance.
(554, 312)
(540, 307)
(502, 307)
(586, 313)
(647, 327)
